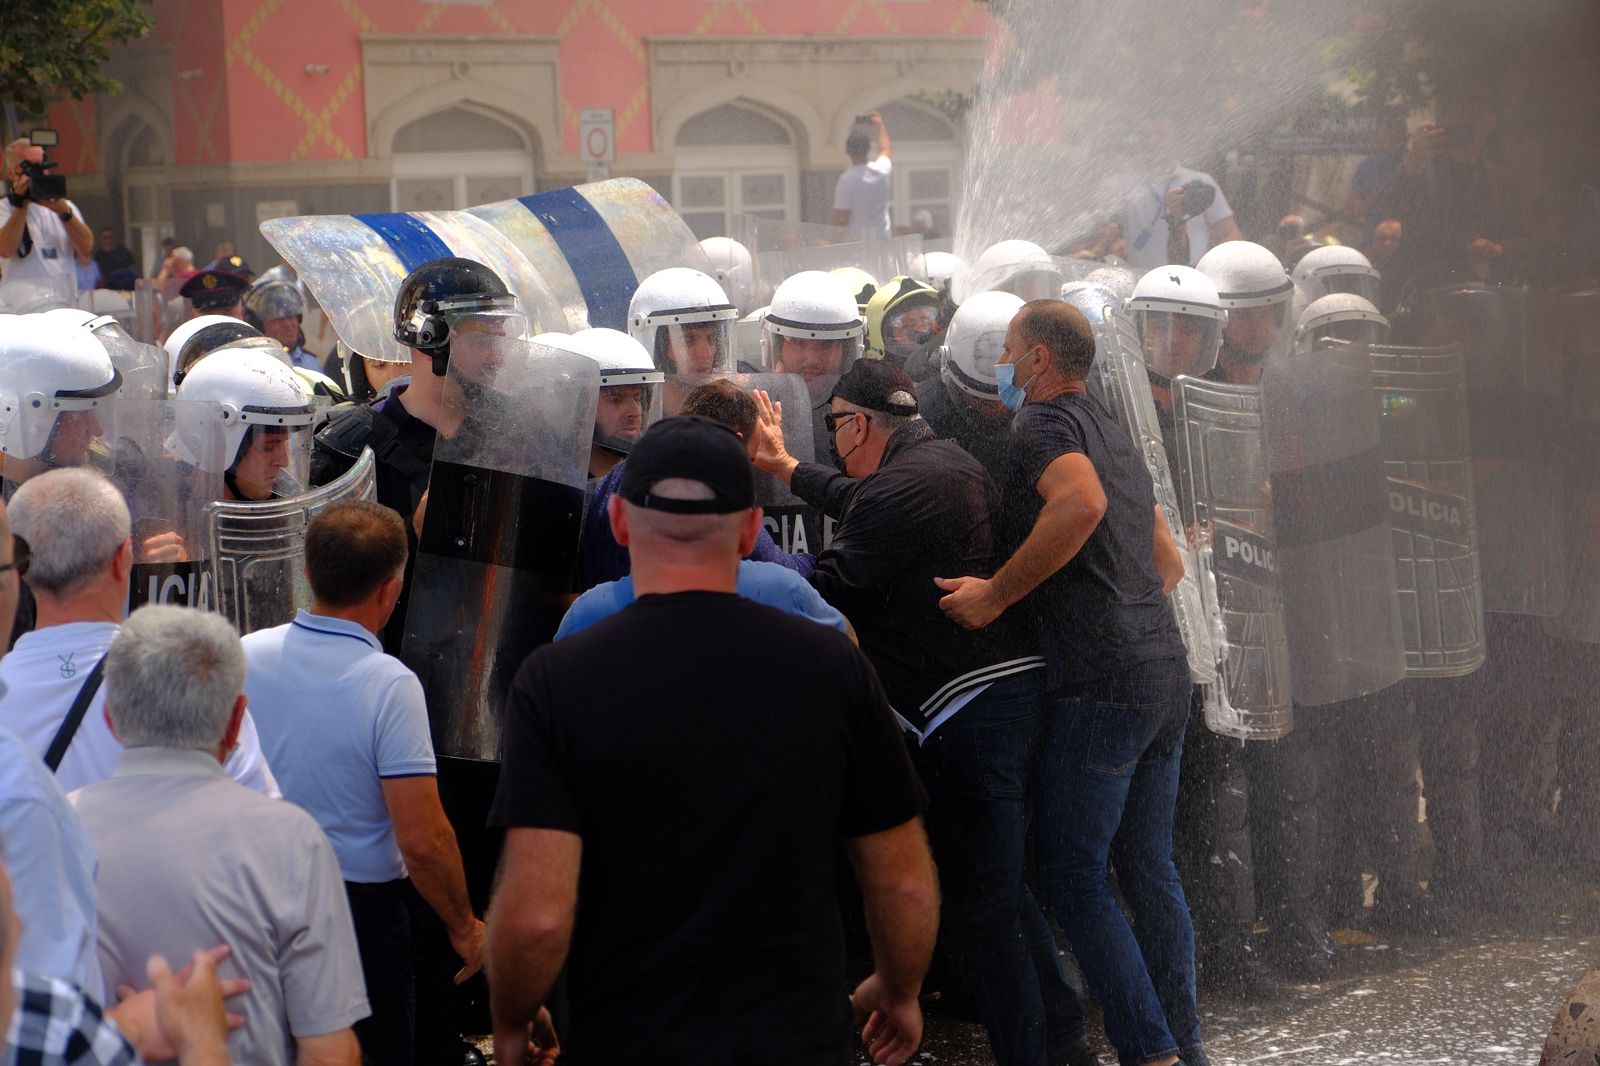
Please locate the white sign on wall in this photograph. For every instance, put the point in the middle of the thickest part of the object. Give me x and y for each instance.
(597, 135)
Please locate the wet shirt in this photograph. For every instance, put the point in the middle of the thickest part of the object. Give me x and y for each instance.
(710, 782)
(1104, 610)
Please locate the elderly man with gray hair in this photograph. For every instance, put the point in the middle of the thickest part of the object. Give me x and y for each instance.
(77, 530)
(189, 858)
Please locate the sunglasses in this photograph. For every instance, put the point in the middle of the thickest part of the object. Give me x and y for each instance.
(20, 555)
(833, 419)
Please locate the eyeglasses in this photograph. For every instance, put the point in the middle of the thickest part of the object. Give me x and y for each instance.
(833, 419)
(20, 556)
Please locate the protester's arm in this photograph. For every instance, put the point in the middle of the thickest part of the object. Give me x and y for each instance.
(328, 1049)
(824, 488)
(428, 845)
(1074, 503)
(530, 929)
(882, 131)
(1225, 230)
(1169, 563)
(901, 897)
(78, 232)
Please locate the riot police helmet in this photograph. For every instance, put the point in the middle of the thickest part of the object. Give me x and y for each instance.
(57, 386)
(976, 336)
(199, 343)
(1336, 268)
(861, 284)
(1015, 266)
(1179, 318)
(731, 266)
(1257, 293)
(244, 413)
(685, 320)
(628, 379)
(437, 295)
(1341, 317)
(812, 328)
(902, 317)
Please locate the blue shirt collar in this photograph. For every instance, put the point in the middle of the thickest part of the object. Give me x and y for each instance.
(339, 627)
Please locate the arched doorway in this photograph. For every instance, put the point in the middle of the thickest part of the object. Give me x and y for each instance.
(734, 160)
(927, 164)
(459, 157)
(141, 162)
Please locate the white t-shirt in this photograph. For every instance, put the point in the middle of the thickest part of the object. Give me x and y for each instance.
(1144, 219)
(863, 190)
(42, 675)
(51, 254)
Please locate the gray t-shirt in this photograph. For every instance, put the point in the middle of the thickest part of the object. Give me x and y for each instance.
(189, 860)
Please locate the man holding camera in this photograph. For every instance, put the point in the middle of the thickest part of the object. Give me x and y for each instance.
(39, 239)
(1178, 213)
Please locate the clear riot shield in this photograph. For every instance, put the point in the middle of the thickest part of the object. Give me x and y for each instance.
(1572, 318)
(1224, 492)
(594, 243)
(1422, 414)
(27, 296)
(157, 309)
(143, 366)
(499, 540)
(1118, 380)
(780, 249)
(1514, 399)
(256, 551)
(354, 264)
(1331, 511)
(1042, 280)
(166, 499)
(793, 525)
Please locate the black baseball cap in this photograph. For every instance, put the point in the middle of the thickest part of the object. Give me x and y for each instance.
(878, 386)
(694, 449)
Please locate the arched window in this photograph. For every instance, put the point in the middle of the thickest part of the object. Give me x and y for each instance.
(733, 160)
(927, 164)
(141, 162)
(458, 158)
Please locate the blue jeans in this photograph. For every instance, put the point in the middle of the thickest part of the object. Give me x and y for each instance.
(1107, 790)
(977, 769)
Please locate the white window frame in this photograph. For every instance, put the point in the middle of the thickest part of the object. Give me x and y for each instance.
(732, 163)
(459, 167)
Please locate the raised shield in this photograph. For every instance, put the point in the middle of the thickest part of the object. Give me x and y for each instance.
(1422, 414)
(1331, 512)
(499, 541)
(1226, 500)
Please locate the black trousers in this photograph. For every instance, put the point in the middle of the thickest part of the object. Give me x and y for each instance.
(385, 925)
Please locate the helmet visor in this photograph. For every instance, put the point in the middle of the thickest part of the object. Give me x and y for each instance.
(1259, 332)
(271, 461)
(701, 347)
(820, 361)
(625, 410)
(1175, 343)
(1363, 331)
(1363, 285)
(481, 340)
(907, 329)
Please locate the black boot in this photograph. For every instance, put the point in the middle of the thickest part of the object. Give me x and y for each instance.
(1232, 967)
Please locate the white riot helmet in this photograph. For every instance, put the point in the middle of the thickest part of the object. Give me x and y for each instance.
(1179, 318)
(207, 333)
(1257, 294)
(1341, 317)
(53, 377)
(1014, 266)
(1336, 268)
(684, 320)
(732, 267)
(243, 413)
(629, 398)
(973, 342)
(1119, 279)
(143, 366)
(941, 269)
(812, 328)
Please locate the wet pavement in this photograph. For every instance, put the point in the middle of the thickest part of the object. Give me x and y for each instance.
(1484, 996)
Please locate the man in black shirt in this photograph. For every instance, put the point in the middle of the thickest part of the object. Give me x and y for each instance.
(910, 507)
(1089, 569)
(702, 809)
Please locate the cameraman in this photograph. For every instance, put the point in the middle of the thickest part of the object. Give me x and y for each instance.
(38, 239)
(1154, 203)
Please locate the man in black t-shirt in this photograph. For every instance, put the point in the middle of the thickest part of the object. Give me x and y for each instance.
(699, 804)
(1089, 565)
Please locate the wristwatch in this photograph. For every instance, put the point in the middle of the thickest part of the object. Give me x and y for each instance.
(66, 216)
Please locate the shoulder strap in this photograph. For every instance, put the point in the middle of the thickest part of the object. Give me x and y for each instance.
(69, 725)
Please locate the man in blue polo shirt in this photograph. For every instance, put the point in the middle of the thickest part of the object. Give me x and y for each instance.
(350, 727)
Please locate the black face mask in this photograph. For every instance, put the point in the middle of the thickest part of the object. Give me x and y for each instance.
(836, 456)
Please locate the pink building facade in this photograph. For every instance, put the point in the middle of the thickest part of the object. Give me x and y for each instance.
(235, 111)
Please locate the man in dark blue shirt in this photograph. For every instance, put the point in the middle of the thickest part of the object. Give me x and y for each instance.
(1088, 566)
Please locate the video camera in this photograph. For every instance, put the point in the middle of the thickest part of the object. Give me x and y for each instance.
(1196, 197)
(43, 185)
